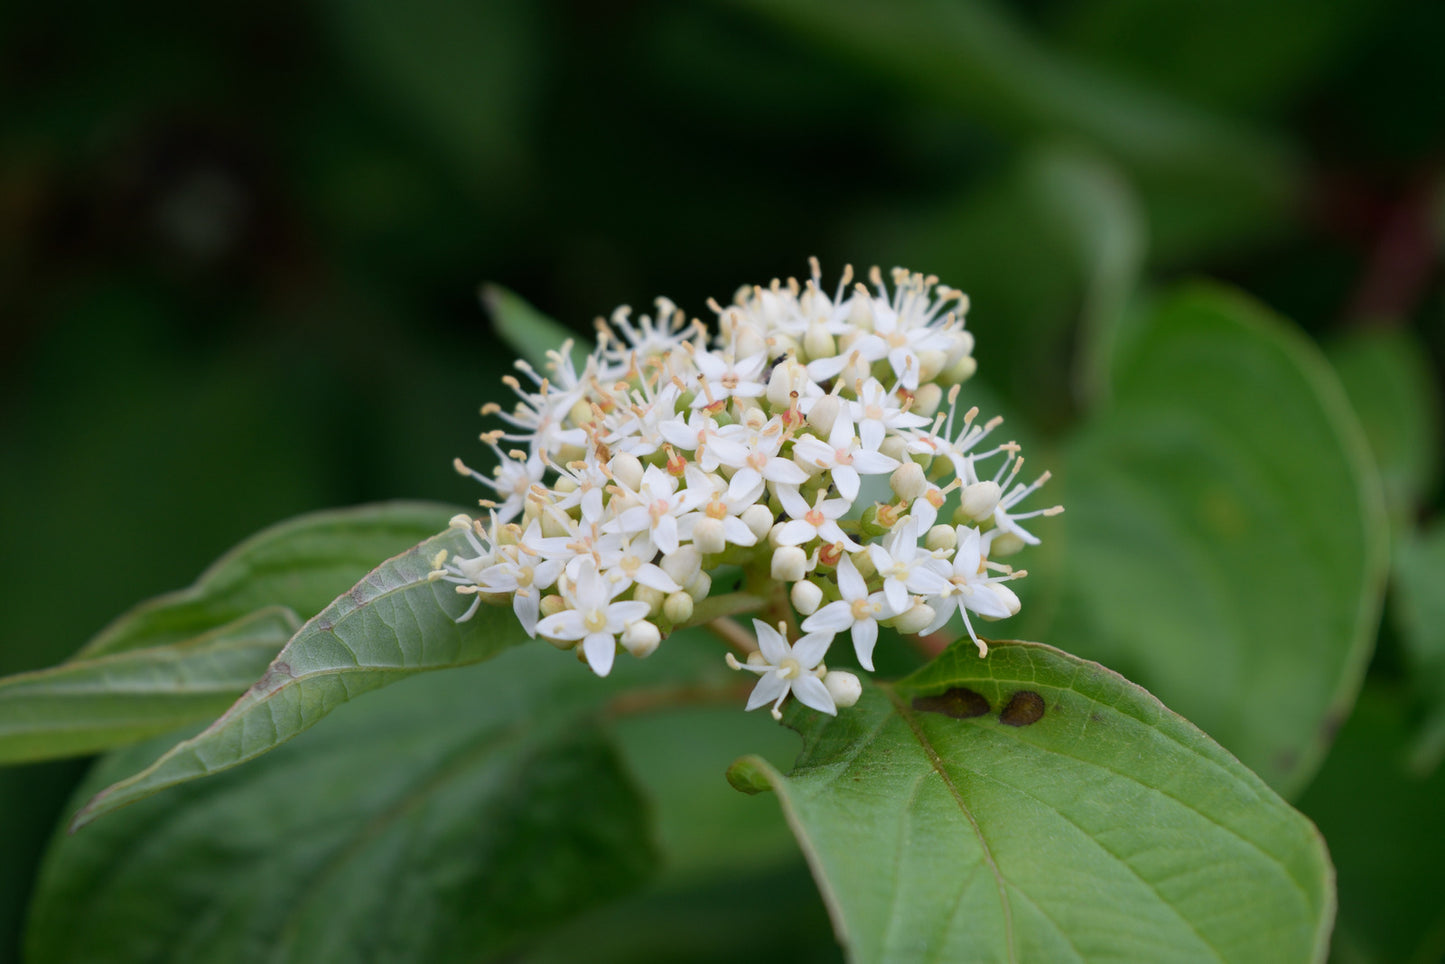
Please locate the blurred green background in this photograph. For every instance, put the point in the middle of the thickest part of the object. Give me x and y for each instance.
(240, 247)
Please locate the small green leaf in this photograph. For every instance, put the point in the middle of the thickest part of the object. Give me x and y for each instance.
(1419, 611)
(1224, 536)
(392, 624)
(301, 564)
(95, 703)
(1386, 373)
(530, 333)
(1075, 818)
(450, 817)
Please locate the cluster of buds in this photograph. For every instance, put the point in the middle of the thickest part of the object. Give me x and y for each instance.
(809, 461)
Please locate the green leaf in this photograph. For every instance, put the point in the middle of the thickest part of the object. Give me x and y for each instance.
(1381, 818)
(1224, 539)
(302, 564)
(392, 624)
(1419, 611)
(530, 333)
(95, 703)
(1386, 373)
(447, 818)
(1205, 179)
(1031, 806)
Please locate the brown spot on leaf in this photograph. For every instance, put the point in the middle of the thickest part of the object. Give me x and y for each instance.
(959, 703)
(1024, 708)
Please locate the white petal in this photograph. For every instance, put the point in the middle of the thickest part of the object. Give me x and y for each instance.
(865, 636)
(810, 650)
(846, 478)
(781, 470)
(896, 593)
(810, 691)
(795, 533)
(771, 643)
(769, 688)
(832, 618)
(600, 648)
(564, 625)
(850, 583)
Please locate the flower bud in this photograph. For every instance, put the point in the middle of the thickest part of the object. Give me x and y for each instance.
(1006, 596)
(551, 605)
(790, 563)
(915, 620)
(895, 448)
(641, 638)
(627, 469)
(748, 341)
(818, 342)
(930, 363)
(824, 413)
(927, 399)
(1005, 544)
(941, 538)
(683, 564)
(908, 481)
(863, 562)
(708, 536)
(758, 519)
(962, 344)
(843, 686)
(961, 370)
(678, 608)
(979, 499)
(653, 597)
(806, 597)
(698, 586)
(788, 377)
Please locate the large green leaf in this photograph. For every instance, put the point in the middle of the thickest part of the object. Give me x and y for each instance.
(1204, 178)
(302, 564)
(1224, 539)
(1031, 806)
(1386, 373)
(1381, 819)
(95, 703)
(392, 624)
(446, 818)
(1419, 615)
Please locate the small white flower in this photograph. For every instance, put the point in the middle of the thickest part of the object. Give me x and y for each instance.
(594, 618)
(843, 457)
(784, 668)
(972, 588)
(858, 612)
(819, 521)
(660, 503)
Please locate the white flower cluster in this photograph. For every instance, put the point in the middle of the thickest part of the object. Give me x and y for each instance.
(812, 454)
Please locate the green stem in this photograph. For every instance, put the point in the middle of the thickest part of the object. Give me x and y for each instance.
(729, 604)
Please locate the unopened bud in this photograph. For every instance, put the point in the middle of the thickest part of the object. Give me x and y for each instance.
(895, 447)
(941, 538)
(788, 377)
(806, 597)
(581, 413)
(863, 562)
(930, 363)
(748, 341)
(708, 535)
(627, 469)
(915, 620)
(758, 519)
(979, 499)
(819, 343)
(552, 605)
(678, 608)
(1005, 544)
(683, 564)
(843, 686)
(653, 597)
(908, 481)
(927, 399)
(824, 413)
(1006, 596)
(961, 370)
(790, 563)
(698, 586)
(641, 638)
